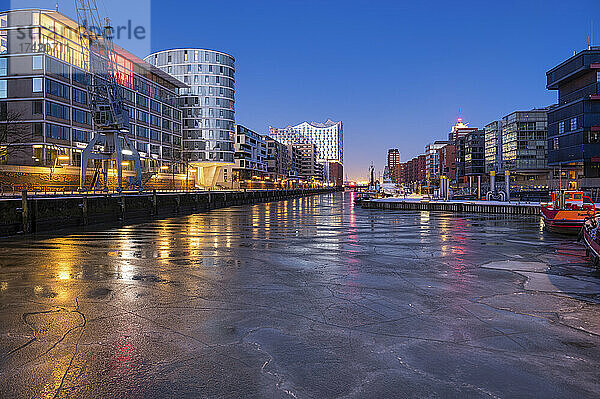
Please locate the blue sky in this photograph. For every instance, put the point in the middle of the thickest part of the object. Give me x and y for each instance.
(395, 72)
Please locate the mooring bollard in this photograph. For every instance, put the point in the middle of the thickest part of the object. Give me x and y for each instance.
(154, 202)
(84, 211)
(25, 215)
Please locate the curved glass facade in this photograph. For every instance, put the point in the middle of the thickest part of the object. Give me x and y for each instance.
(208, 104)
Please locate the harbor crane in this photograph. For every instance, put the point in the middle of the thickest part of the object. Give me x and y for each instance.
(110, 116)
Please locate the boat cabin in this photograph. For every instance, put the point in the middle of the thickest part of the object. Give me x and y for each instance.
(570, 199)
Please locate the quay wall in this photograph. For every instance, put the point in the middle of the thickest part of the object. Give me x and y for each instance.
(458, 207)
(30, 214)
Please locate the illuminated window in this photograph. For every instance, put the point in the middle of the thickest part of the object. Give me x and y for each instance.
(3, 66)
(3, 89)
(561, 127)
(573, 124)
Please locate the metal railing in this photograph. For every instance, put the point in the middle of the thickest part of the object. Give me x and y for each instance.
(17, 191)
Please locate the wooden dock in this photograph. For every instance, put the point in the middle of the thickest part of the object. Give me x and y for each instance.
(511, 208)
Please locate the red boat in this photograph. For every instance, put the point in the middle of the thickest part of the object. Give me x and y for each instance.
(567, 211)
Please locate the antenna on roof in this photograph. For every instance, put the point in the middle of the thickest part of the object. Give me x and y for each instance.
(57, 6)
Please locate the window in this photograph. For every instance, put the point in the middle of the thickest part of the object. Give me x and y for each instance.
(37, 62)
(81, 136)
(58, 68)
(36, 107)
(185, 55)
(555, 143)
(154, 120)
(573, 124)
(142, 116)
(81, 77)
(57, 110)
(81, 116)
(3, 67)
(57, 132)
(79, 96)
(598, 76)
(155, 106)
(142, 132)
(142, 101)
(57, 89)
(38, 84)
(154, 135)
(561, 127)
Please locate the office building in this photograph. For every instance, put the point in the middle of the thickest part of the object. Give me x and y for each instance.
(45, 106)
(573, 140)
(493, 147)
(432, 170)
(208, 106)
(460, 129)
(250, 155)
(474, 159)
(524, 143)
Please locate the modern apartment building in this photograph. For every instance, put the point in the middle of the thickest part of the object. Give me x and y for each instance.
(306, 161)
(208, 106)
(447, 162)
(574, 123)
(328, 138)
(278, 159)
(45, 105)
(474, 159)
(413, 171)
(393, 160)
(432, 170)
(250, 154)
(524, 143)
(493, 147)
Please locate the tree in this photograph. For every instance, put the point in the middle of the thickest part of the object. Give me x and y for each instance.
(15, 135)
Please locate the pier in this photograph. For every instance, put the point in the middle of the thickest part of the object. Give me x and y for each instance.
(36, 213)
(495, 207)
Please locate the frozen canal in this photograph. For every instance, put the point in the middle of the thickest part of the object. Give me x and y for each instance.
(308, 298)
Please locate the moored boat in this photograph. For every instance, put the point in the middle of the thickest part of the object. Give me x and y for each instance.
(591, 238)
(567, 211)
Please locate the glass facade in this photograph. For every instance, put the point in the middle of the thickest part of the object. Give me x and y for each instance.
(493, 146)
(47, 87)
(208, 104)
(524, 140)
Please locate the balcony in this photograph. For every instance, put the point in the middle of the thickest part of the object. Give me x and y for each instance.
(587, 92)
